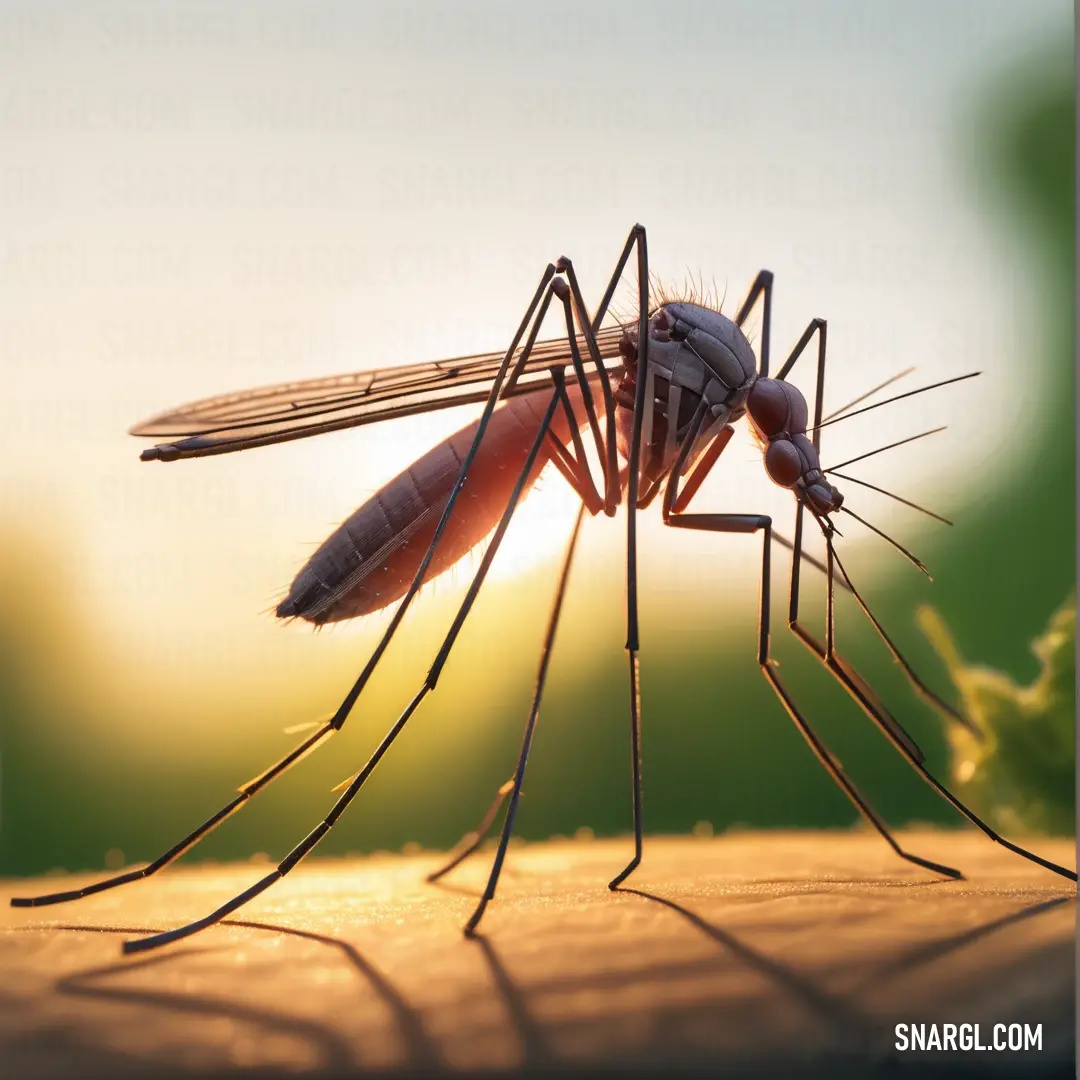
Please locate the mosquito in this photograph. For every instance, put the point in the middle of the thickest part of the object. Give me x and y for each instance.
(661, 392)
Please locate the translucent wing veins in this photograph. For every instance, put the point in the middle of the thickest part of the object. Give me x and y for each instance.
(296, 410)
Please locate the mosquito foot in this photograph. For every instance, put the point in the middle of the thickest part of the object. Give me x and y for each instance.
(631, 867)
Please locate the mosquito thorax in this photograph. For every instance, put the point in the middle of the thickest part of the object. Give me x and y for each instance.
(778, 413)
(694, 354)
(680, 330)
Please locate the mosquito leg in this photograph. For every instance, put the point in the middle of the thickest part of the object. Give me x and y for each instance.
(530, 730)
(591, 502)
(564, 292)
(676, 500)
(536, 309)
(871, 706)
(567, 466)
(673, 502)
(471, 841)
(358, 781)
(586, 490)
(589, 328)
(633, 480)
(252, 787)
(819, 327)
(763, 284)
(582, 481)
(681, 499)
(749, 523)
(809, 559)
(762, 287)
(608, 452)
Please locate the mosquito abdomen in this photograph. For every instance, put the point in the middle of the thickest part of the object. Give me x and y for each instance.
(370, 560)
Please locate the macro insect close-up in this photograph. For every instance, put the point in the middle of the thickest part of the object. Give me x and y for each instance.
(582, 647)
(669, 407)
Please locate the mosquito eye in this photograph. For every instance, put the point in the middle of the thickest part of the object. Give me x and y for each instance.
(783, 462)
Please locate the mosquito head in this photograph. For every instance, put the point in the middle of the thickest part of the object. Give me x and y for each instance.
(777, 412)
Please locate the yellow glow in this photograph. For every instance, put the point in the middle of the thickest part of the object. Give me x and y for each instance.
(540, 528)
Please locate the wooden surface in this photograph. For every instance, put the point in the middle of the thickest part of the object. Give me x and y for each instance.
(748, 954)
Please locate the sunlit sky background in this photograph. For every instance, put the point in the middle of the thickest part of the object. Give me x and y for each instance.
(198, 198)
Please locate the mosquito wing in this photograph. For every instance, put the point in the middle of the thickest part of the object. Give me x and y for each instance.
(295, 410)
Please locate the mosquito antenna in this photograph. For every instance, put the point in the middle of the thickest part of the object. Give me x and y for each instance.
(869, 393)
(882, 449)
(899, 547)
(906, 502)
(899, 397)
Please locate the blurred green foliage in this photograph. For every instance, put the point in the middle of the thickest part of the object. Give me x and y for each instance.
(1020, 155)
(1021, 775)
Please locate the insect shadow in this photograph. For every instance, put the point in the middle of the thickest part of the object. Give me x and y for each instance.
(536, 1036)
(335, 1051)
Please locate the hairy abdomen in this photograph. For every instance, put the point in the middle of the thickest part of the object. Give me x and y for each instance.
(370, 560)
